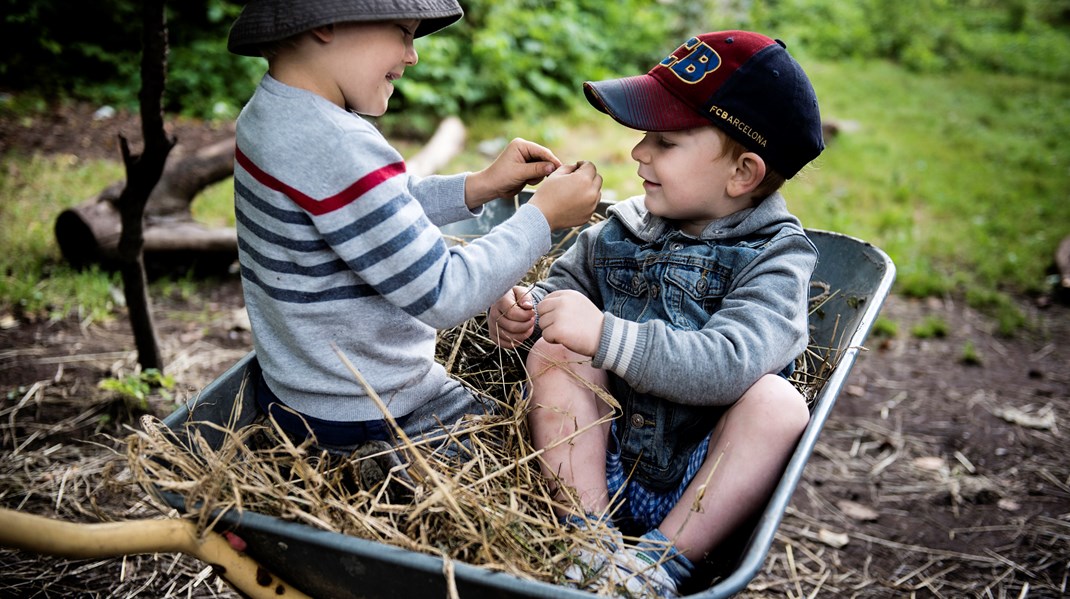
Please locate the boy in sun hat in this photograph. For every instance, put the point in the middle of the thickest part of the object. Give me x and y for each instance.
(338, 244)
(688, 304)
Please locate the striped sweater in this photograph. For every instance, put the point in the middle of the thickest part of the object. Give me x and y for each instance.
(339, 247)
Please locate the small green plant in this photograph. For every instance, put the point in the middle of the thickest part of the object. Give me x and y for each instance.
(930, 328)
(970, 355)
(886, 328)
(136, 388)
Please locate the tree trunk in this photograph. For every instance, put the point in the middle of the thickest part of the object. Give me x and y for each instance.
(142, 173)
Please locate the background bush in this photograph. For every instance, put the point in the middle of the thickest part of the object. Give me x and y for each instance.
(521, 57)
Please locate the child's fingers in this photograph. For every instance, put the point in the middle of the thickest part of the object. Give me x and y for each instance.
(533, 152)
(515, 319)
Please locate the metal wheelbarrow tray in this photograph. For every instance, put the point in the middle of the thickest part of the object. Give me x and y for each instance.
(328, 564)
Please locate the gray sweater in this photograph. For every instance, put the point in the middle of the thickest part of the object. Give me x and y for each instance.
(759, 328)
(339, 246)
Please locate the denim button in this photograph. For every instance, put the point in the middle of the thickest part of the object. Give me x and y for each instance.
(635, 281)
(701, 285)
(653, 291)
(638, 421)
(676, 247)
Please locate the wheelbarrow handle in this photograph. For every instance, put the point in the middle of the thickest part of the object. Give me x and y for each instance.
(46, 536)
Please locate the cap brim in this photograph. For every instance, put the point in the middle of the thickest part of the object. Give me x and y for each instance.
(642, 103)
(262, 22)
(431, 25)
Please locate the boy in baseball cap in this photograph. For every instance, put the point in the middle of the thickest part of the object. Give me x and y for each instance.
(338, 243)
(688, 305)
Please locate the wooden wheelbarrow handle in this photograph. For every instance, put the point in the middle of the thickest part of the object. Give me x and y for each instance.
(46, 536)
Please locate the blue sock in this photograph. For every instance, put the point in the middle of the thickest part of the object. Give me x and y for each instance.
(658, 547)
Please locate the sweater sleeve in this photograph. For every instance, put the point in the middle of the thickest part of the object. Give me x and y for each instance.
(759, 329)
(383, 243)
(442, 198)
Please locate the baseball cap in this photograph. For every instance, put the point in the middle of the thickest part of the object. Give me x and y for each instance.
(263, 21)
(745, 83)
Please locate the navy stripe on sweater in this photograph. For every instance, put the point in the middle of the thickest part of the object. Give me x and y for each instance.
(323, 269)
(295, 217)
(295, 296)
(297, 245)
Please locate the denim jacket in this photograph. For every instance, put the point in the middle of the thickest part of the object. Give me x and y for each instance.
(690, 322)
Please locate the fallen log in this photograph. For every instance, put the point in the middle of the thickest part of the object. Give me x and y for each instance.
(89, 233)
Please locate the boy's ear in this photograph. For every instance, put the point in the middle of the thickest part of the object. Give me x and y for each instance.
(323, 33)
(749, 172)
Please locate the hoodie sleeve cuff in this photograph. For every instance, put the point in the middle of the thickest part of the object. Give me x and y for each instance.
(620, 347)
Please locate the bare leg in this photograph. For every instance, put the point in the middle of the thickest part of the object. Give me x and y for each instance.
(753, 441)
(561, 405)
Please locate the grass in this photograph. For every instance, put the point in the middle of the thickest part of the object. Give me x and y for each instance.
(963, 179)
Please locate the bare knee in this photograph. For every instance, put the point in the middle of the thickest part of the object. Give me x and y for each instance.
(778, 404)
(558, 376)
(553, 359)
(545, 356)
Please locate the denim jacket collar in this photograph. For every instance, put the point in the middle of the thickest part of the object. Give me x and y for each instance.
(648, 227)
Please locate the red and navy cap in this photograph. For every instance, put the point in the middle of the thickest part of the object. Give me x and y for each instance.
(745, 83)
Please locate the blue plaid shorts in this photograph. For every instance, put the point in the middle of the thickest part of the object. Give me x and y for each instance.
(646, 509)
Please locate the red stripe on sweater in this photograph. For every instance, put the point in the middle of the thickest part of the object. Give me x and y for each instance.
(319, 207)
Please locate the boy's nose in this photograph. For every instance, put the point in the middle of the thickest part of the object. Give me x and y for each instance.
(638, 154)
(411, 57)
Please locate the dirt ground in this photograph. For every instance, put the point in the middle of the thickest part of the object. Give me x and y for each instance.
(935, 476)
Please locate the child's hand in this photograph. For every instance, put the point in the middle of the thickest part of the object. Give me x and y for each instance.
(511, 319)
(521, 163)
(569, 318)
(570, 196)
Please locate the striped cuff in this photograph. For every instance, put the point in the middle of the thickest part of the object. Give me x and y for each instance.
(619, 346)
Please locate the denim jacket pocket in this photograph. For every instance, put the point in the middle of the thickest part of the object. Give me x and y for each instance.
(627, 291)
(693, 293)
(626, 279)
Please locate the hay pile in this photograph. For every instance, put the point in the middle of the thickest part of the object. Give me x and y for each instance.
(486, 505)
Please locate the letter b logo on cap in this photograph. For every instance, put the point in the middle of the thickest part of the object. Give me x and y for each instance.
(692, 66)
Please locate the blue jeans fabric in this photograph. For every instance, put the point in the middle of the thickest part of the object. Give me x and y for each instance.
(327, 433)
(681, 280)
(429, 421)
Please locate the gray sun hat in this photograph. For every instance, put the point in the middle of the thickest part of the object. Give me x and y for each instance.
(264, 21)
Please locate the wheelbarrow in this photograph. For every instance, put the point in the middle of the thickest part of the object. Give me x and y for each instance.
(328, 564)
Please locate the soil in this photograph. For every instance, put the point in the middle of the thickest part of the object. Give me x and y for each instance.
(941, 472)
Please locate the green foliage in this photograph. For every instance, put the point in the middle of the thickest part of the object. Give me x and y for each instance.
(526, 57)
(970, 355)
(885, 327)
(34, 280)
(520, 57)
(931, 327)
(92, 51)
(930, 36)
(56, 292)
(135, 389)
(206, 81)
